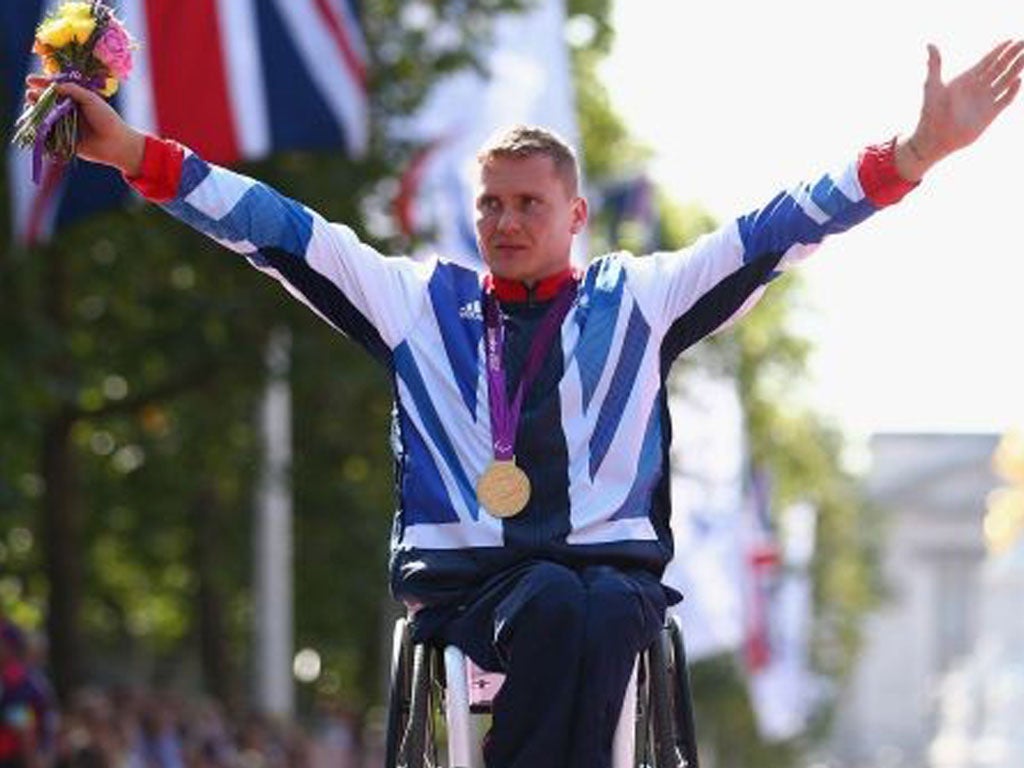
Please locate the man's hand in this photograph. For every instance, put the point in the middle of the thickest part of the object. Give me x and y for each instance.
(956, 113)
(103, 137)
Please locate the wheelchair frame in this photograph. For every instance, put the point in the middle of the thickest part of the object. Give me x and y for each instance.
(429, 707)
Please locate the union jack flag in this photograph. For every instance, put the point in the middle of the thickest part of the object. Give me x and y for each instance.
(232, 79)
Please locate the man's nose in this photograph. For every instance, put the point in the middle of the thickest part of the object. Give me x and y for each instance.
(508, 220)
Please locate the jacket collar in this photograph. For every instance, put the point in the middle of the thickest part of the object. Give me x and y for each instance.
(515, 292)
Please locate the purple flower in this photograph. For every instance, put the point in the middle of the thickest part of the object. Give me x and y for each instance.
(114, 50)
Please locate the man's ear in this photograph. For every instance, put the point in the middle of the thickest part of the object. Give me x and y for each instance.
(580, 213)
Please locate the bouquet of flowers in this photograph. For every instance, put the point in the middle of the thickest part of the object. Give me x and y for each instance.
(83, 43)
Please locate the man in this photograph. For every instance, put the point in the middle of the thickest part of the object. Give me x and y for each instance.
(531, 427)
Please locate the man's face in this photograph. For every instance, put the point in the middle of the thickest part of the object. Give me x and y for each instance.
(526, 218)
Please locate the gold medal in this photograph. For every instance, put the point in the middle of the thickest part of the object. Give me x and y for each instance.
(503, 489)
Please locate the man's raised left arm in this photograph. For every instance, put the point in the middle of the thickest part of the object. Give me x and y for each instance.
(696, 291)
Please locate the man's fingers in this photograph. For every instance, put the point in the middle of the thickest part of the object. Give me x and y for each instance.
(77, 93)
(934, 78)
(1011, 71)
(34, 87)
(1009, 95)
(36, 84)
(990, 58)
(1004, 59)
(934, 66)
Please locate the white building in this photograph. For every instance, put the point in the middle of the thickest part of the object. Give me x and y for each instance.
(932, 488)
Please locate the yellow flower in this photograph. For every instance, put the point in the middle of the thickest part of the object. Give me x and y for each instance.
(55, 33)
(75, 10)
(83, 29)
(110, 88)
(50, 65)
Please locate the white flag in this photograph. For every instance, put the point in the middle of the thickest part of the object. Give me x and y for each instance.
(783, 689)
(529, 82)
(708, 459)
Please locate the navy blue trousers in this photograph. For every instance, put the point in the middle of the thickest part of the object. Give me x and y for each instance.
(566, 641)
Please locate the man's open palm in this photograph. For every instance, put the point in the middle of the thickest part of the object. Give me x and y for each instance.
(956, 113)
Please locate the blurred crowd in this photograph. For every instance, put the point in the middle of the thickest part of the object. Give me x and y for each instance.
(129, 728)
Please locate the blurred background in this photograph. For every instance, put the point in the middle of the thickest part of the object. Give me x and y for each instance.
(195, 476)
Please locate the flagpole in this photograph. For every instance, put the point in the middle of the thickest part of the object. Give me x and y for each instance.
(273, 615)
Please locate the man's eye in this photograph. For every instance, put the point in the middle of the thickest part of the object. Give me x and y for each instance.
(489, 206)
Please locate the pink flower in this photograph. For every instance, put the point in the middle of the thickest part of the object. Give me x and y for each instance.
(114, 50)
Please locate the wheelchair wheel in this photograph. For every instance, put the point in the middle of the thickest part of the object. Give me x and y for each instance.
(418, 748)
(399, 692)
(644, 749)
(663, 741)
(412, 704)
(686, 731)
(665, 735)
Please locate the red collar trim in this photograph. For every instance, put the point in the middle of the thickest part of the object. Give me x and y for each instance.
(516, 292)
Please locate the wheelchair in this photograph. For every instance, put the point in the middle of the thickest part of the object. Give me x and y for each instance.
(437, 701)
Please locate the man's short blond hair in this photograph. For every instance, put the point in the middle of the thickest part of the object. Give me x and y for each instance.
(521, 141)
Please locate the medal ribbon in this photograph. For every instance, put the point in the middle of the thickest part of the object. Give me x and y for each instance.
(505, 414)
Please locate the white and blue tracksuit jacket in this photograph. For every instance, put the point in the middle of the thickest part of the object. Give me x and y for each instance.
(595, 433)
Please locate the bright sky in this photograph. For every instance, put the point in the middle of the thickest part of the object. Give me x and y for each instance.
(917, 314)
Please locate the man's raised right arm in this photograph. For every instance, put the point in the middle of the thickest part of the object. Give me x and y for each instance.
(369, 297)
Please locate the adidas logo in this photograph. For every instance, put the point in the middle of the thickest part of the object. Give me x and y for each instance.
(471, 311)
